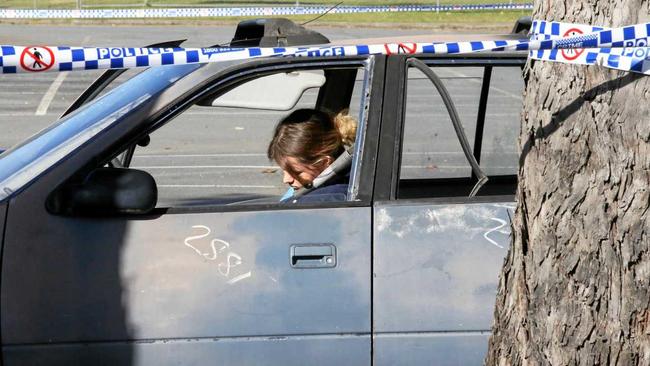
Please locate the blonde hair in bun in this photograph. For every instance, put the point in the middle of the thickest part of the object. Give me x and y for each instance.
(346, 126)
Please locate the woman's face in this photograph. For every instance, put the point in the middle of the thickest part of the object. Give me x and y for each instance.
(299, 175)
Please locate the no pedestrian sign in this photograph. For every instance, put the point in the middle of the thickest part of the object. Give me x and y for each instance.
(36, 58)
(572, 53)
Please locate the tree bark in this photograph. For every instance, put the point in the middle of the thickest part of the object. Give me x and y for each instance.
(575, 286)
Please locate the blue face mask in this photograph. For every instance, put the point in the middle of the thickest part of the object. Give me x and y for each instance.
(288, 194)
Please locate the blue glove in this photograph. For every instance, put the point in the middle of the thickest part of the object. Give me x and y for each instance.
(288, 194)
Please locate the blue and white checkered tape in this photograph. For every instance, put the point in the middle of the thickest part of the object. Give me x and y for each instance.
(542, 29)
(240, 11)
(622, 48)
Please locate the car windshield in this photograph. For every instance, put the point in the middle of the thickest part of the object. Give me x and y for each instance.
(24, 162)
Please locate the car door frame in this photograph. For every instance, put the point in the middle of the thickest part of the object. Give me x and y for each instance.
(387, 182)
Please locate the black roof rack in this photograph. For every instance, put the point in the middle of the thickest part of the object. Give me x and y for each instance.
(522, 25)
(274, 32)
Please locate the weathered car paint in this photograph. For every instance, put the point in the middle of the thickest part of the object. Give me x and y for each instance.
(436, 269)
(439, 349)
(184, 276)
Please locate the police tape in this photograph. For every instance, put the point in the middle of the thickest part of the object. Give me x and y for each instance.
(628, 46)
(243, 11)
(542, 29)
(622, 48)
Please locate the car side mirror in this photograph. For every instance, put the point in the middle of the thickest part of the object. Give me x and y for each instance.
(106, 192)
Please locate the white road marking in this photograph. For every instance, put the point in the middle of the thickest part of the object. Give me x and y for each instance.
(13, 93)
(155, 156)
(515, 96)
(50, 93)
(433, 165)
(198, 155)
(207, 167)
(219, 112)
(212, 186)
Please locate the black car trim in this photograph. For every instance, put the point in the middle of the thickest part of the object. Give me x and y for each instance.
(480, 116)
(389, 143)
(455, 187)
(3, 233)
(330, 95)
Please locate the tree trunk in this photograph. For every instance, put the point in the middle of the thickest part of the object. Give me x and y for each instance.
(575, 286)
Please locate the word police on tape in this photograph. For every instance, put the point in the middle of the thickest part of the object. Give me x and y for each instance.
(622, 48)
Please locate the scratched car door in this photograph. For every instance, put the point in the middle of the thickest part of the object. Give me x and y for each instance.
(189, 288)
(437, 252)
(261, 284)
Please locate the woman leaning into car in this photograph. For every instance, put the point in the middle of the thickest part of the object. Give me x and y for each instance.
(305, 143)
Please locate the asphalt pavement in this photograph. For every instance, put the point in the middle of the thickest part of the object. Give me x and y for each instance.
(211, 151)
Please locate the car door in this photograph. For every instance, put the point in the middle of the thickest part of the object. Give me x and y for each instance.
(437, 252)
(195, 283)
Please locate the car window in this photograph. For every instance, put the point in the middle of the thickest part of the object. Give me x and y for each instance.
(432, 161)
(430, 148)
(499, 154)
(218, 155)
(24, 162)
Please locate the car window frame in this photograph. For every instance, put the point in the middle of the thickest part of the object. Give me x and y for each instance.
(362, 173)
(393, 117)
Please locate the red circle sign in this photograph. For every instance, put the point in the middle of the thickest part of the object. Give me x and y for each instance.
(402, 48)
(572, 53)
(36, 58)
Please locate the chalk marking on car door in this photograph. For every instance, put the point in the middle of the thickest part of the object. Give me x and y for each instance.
(240, 277)
(232, 259)
(502, 223)
(228, 264)
(188, 239)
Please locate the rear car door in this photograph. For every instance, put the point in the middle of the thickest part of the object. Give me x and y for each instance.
(198, 281)
(437, 252)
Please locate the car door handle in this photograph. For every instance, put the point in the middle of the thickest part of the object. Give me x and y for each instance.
(313, 256)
